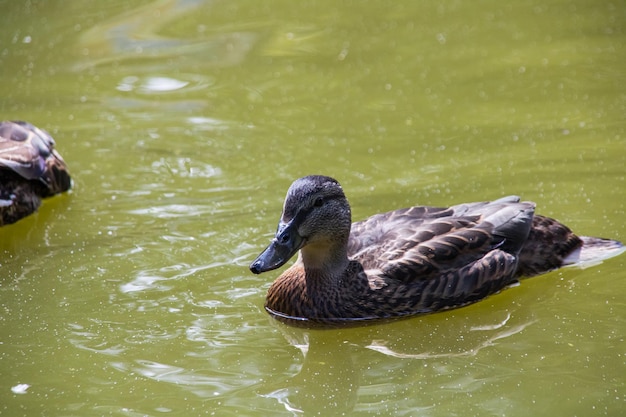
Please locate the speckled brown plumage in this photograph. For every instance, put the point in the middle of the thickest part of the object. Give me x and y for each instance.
(408, 261)
(30, 169)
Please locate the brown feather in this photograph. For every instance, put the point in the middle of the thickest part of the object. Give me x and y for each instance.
(30, 169)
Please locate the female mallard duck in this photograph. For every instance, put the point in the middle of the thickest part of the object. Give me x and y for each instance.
(409, 261)
(30, 169)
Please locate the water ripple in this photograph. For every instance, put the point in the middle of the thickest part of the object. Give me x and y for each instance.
(170, 211)
(186, 167)
(136, 33)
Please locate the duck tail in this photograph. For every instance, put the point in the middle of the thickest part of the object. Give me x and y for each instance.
(593, 251)
(551, 245)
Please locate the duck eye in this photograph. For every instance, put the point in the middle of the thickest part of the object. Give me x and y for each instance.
(319, 201)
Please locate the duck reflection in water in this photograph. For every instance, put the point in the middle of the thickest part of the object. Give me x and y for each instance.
(409, 261)
(364, 368)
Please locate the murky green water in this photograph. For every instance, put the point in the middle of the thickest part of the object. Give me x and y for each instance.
(184, 122)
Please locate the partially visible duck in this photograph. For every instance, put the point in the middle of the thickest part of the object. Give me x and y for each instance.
(408, 261)
(30, 169)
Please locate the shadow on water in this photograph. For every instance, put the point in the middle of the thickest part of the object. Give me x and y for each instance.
(341, 369)
(36, 229)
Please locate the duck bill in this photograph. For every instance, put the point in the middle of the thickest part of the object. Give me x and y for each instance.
(285, 244)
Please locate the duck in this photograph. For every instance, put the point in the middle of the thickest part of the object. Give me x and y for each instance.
(30, 169)
(410, 261)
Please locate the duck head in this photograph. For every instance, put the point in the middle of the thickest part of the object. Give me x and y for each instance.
(316, 219)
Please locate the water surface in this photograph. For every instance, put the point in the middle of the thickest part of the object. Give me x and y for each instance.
(184, 122)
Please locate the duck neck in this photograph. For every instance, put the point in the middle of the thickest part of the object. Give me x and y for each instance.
(324, 265)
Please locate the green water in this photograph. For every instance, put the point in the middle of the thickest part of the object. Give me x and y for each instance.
(184, 122)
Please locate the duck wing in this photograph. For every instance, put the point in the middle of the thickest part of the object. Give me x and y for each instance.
(426, 243)
(20, 153)
(29, 152)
